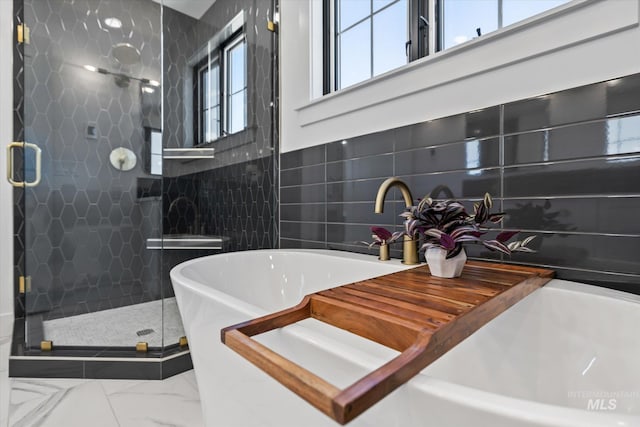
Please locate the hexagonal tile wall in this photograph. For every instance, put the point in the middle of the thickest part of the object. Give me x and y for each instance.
(86, 229)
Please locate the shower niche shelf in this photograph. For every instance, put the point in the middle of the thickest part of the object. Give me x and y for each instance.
(187, 153)
(187, 241)
(419, 315)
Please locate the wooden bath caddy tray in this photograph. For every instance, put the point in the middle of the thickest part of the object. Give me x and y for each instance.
(410, 311)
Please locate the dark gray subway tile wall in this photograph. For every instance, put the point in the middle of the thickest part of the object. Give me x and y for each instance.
(361, 168)
(598, 215)
(471, 154)
(307, 212)
(362, 213)
(610, 176)
(564, 166)
(591, 102)
(469, 184)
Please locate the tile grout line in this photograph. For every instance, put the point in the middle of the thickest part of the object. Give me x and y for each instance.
(326, 198)
(113, 411)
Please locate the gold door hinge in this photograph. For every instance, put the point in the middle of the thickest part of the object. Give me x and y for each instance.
(24, 34)
(142, 347)
(46, 345)
(272, 26)
(24, 284)
(183, 342)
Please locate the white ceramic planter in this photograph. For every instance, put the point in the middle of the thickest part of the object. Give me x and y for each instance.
(440, 266)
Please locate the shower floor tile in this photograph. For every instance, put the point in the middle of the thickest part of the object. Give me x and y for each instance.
(119, 327)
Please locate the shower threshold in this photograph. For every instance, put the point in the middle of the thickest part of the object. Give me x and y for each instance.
(102, 345)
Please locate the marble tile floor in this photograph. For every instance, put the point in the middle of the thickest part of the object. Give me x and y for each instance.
(31, 402)
(6, 328)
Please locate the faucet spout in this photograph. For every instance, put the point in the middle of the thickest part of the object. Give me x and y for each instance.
(384, 189)
(410, 245)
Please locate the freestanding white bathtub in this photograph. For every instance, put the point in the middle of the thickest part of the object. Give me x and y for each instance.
(567, 355)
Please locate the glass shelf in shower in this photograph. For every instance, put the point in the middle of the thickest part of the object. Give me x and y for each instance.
(187, 241)
(187, 153)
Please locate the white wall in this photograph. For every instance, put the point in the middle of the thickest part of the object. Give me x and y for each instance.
(581, 42)
(6, 135)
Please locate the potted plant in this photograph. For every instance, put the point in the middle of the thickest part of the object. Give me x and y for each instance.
(445, 227)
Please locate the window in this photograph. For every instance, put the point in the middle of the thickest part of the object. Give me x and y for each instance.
(209, 101)
(370, 37)
(220, 91)
(236, 80)
(156, 153)
(463, 20)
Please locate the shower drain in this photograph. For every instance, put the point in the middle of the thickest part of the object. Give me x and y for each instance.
(144, 332)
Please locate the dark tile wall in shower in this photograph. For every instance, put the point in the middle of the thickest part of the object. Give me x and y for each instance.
(239, 202)
(235, 202)
(180, 39)
(87, 224)
(233, 194)
(565, 166)
(75, 270)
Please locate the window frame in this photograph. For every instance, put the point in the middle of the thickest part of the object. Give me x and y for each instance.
(218, 56)
(331, 17)
(425, 38)
(230, 44)
(206, 65)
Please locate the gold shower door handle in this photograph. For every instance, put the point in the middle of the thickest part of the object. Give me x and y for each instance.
(10, 169)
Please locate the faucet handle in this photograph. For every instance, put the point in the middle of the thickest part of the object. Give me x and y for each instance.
(384, 252)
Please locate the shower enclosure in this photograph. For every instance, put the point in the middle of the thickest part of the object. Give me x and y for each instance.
(92, 102)
(112, 187)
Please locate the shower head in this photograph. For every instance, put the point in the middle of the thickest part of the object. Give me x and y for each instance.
(125, 54)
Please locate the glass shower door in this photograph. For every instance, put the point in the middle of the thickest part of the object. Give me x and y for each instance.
(92, 76)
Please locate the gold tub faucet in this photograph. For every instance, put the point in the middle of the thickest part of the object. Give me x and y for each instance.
(410, 246)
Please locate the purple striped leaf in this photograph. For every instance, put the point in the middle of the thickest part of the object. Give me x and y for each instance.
(447, 242)
(381, 232)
